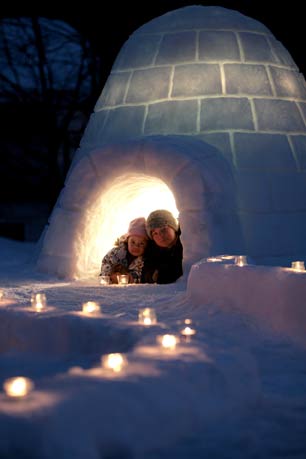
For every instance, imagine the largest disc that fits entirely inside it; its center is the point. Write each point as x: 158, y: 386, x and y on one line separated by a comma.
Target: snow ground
x: 236, y: 390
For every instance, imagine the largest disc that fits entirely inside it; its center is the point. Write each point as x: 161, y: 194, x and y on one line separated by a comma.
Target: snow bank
x: 274, y: 295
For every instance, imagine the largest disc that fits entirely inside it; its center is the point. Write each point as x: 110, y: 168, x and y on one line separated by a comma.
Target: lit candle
x: 168, y: 342
x: 1, y: 294
x: 147, y: 316
x: 188, y: 332
x: 298, y: 265
x: 114, y: 362
x: 91, y: 307
x: 18, y: 387
x: 123, y: 279
x: 38, y: 301
x: 214, y: 259
x: 241, y: 260
x: 105, y: 280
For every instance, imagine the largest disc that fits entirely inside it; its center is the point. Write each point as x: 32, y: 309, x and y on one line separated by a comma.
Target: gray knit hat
x: 160, y: 218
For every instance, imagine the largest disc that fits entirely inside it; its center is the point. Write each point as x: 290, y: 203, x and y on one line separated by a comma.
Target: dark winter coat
x: 167, y: 263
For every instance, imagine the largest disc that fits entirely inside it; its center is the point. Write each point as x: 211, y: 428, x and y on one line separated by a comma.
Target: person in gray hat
x: 164, y: 253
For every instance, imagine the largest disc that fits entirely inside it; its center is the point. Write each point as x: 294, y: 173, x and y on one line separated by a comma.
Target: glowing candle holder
x: 168, y: 342
x: 241, y: 260
x: 214, y: 259
x: 91, y: 307
x: 39, y: 301
x: 188, y: 332
x: 123, y: 279
x: 105, y: 280
x: 115, y: 362
x: 147, y: 316
x: 298, y: 265
x: 228, y: 257
x: 18, y: 387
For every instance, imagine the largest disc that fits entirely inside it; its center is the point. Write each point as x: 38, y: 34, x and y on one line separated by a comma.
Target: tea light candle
x: 18, y: 387
x: 168, y: 342
x: 123, y: 279
x: 91, y: 307
x: 187, y: 332
x: 228, y: 257
x: 38, y: 301
x: 105, y: 280
x: 114, y: 362
x: 241, y: 260
x: 147, y: 316
x: 298, y: 265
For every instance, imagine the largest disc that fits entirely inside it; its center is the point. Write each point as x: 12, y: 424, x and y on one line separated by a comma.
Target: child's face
x: 164, y: 237
x: 137, y: 245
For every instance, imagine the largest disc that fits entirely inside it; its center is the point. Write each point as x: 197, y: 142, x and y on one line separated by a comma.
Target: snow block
x: 275, y: 296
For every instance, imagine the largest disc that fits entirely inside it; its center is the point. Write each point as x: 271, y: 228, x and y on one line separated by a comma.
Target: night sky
x: 108, y: 25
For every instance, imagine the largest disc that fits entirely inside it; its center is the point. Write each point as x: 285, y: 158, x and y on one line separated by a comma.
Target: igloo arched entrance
x: 115, y: 183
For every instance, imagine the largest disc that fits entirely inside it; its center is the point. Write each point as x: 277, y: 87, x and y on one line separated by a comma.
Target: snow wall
x: 207, y: 101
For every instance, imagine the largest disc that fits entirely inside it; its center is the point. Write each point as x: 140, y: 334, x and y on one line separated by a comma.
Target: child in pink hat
x: 127, y: 255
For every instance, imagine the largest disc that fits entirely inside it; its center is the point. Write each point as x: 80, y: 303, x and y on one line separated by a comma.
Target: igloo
x: 203, y: 113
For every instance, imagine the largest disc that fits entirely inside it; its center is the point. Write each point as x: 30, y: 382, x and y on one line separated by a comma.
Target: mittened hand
x: 120, y: 269
x: 113, y: 278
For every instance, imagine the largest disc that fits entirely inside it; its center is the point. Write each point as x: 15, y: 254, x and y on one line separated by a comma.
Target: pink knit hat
x: 137, y: 227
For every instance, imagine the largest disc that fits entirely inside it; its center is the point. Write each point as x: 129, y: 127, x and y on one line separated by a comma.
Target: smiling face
x: 137, y: 245
x: 164, y: 236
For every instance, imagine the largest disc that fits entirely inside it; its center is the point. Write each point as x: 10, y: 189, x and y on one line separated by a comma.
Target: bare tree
x: 49, y: 81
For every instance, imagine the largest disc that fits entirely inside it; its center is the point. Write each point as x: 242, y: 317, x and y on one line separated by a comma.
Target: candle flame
x: 18, y: 386
x: 91, y: 307
x: 187, y: 331
x: 298, y: 265
x: 147, y: 316
x: 169, y: 341
x: 39, y: 301
x: 241, y: 260
x: 115, y: 362
x: 123, y: 279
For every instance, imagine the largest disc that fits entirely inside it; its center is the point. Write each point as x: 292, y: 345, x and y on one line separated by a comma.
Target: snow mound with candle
x: 232, y: 391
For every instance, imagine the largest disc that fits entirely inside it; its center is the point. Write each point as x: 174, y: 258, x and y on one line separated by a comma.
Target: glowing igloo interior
x: 118, y: 182
x: 206, y: 103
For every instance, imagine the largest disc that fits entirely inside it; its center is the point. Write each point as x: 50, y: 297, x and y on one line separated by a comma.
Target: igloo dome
x: 203, y: 113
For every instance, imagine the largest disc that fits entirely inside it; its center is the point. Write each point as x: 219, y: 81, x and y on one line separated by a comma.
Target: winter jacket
x: 118, y: 259
x: 166, y: 263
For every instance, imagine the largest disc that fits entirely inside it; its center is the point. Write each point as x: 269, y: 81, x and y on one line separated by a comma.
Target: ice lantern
x: 18, y: 387
x: 204, y: 103
x: 39, y: 301
x: 147, y: 316
x: 115, y: 362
